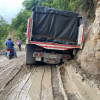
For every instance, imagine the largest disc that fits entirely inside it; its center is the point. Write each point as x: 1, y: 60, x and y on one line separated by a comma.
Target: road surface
x: 43, y: 82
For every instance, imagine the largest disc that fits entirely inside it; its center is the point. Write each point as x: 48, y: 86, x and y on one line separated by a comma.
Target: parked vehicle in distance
x: 53, y: 36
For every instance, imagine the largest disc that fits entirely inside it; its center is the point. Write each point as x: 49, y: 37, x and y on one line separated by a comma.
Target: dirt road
x: 43, y: 82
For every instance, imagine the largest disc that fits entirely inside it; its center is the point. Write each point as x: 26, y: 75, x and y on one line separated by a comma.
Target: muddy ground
x: 44, y: 82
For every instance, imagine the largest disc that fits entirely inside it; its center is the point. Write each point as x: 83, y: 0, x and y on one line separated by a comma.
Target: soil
x: 43, y: 81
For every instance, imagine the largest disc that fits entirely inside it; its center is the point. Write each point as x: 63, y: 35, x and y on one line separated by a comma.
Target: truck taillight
x: 63, y: 57
x: 36, y: 54
x: 41, y: 55
x: 67, y: 57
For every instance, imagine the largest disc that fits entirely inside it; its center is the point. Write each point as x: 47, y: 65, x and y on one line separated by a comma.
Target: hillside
x: 89, y: 57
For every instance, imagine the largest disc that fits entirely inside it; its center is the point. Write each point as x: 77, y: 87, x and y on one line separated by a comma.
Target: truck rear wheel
x: 30, y: 60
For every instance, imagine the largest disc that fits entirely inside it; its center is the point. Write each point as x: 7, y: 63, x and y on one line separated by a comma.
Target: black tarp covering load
x: 57, y: 26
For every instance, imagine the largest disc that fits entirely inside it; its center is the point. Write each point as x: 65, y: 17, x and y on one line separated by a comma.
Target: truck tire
x: 71, y: 53
x: 74, y: 52
x: 30, y: 60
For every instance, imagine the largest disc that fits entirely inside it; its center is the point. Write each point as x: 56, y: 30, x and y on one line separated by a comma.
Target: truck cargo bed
x: 56, y: 26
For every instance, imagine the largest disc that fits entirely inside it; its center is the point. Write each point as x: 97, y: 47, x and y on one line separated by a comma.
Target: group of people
x: 10, y: 45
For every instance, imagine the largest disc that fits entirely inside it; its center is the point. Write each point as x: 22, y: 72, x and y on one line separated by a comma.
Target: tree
x: 3, y: 31
x: 29, y: 4
x: 19, y: 23
x: 89, y: 7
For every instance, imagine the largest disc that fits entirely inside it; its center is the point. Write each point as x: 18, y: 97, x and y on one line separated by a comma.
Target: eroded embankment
x: 89, y: 57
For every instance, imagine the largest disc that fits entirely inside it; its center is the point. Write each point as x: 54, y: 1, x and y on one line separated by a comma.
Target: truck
x: 53, y: 36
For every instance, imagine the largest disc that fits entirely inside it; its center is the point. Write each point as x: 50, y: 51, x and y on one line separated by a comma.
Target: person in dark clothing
x: 10, y: 45
x: 19, y: 44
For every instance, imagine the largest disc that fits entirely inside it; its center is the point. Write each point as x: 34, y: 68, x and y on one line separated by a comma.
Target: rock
x: 89, y: 57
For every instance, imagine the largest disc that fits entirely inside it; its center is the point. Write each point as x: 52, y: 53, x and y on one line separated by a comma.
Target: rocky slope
x: 89, y: 57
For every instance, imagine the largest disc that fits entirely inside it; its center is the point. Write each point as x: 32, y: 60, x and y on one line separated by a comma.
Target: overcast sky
x: 10, y: 8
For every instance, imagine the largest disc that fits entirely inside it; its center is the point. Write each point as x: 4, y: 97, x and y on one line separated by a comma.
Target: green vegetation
x: 89, y: 7
x: 58, y: 4
x: 71, y: 5
x: 3, y: 31
x: 19, y: 23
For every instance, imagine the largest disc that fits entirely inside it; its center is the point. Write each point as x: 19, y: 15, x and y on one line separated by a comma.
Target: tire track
x: 5, y: 63
x: 26, y: 86
x: 8, y: 74
x: 38, y: 82
x: 69, y: 86
x: 14, y: 92
x: 57, y: 93
x: 11, y: 82
x: 8, y: 67
x: 20, y: 89
x: 46, y: 86
x: 41, y: 89
x: 61, y: 84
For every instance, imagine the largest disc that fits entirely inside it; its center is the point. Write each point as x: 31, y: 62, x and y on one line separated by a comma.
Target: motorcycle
x: 10, y: 53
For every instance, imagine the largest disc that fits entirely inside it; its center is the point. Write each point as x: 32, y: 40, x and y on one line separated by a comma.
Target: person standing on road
x: 10, y: 45
x: 19, y: 44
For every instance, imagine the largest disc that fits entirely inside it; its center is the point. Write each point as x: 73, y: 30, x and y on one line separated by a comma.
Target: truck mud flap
x: 29, y: 54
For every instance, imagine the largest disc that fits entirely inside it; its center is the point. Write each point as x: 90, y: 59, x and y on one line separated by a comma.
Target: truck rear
x: 53, y: 36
